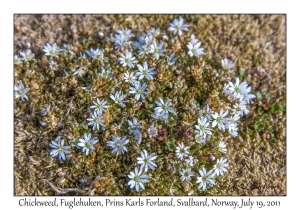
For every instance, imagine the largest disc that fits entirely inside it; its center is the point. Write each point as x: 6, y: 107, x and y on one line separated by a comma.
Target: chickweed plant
x: 144, y: 111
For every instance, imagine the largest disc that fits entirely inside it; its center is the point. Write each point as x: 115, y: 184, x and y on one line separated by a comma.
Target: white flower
x: 240, y: 109
x: 205, y: 179
x: 108, y: 74
x: 164, y: 107
x: 20, y: 91
x: 145, y: 45
x: 118, y: 144
x: 149, y: 40
x: 99, y: 105
x: 226, y: 89
x: 157, y: 49
x: 121, y: 42
x: 27, y: 56
x: 82, y: 55
x: 138, y: 90
x: 126, y: 33
x: 142, y: 45
x: 68, y: 49
x: 147, y: 160
x: 153, y: 32
x: 87, y: 143
x: 190, y: 160
x: 130, y: 77
x: 137, y: 179
x: 222, y: 147
x: 227, y: 64
x: 194, y: 40
x: 246, y: 96
x: 111, y: 37
x: 165, y: 37
x: 127, y: 60
x: 231, y: 122
x: 194, y: 49
x: 206, y: 113
x: 96, y: 120
x: 51, y: 50
x: 186, y: 174
x: 237, y: 89
x: 138, y: 138
x: 80, y: 71
x: 45, y: 110
x: 53, y: 65
x: 59, y: 149
x: 141, y: 41
x: 177, y: 26
x: 219, y: 119
x: 134, y: 126
x: 220, y: 167
x: 152, y: 131
x: 97, y: 54
x: 143, y: 50
x: 118, y: 98
x: 172, y: 59
x: 17, y: 60
x: 203, y: 127
x: 233, y: 131
x: 200, y: 139
x: 181, y: 151
x: 144, y: 71
x: 160, y: 116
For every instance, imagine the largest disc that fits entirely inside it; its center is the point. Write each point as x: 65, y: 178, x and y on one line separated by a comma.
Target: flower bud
x: 165, y: 37
x: 27, y: 45
x: 100, y: 34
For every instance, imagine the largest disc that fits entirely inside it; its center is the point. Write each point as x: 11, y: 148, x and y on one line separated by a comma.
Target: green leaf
x: 260, y: 110
x: 170, y: 85
x: 242, y: 71
x: 282, y: 107
x: 269, y: 100
x: 84, y: 126
x: 255, y: 60
x: 189, y: 16
x: 85, y: 44
x: 36, y: 26
x: 171, y: 145
x: 269, y: 123
x: 171, y: 122
x: 274, y: 108
x: 246, y: 42
x: 259, y: 126
x: 259, y: 95
x: 262, y: 119
x: 249, y: 131
x: 272, y: 141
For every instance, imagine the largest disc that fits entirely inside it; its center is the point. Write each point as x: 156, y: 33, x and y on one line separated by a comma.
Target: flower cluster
x: 137, y: 179
x: 139, y: 101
